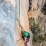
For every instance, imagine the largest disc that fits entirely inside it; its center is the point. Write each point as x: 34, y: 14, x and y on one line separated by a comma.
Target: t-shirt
x: 25, y: 43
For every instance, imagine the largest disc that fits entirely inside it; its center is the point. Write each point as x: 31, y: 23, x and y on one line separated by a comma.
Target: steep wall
x: 36, y: 8
x: 22, y: 9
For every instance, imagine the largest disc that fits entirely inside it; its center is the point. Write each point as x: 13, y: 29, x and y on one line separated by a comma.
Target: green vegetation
x: 37, y: 36
x: 31, y: 20
x: 44, y: 9
x: 37, y: 6
x: 45, y: 36
x: 36, y: 27
x: 34, y: 9
x: 36, y: 33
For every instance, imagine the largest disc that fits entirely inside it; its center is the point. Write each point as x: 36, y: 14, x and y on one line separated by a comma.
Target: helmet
x: 25, y: 34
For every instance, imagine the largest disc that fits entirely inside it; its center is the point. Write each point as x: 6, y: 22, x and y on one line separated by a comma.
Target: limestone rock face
x: 22, y: 9
x: 7, y: 23
x: 10, y: 31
